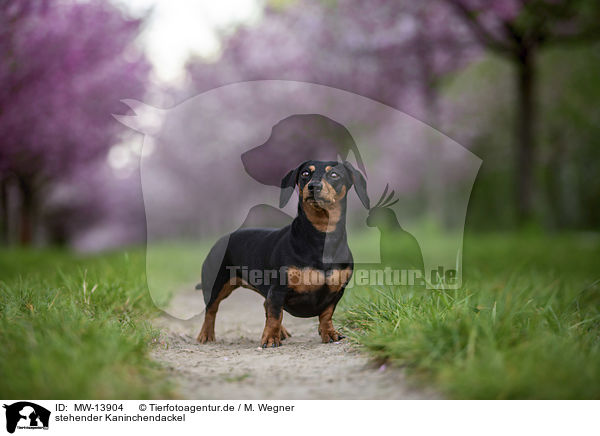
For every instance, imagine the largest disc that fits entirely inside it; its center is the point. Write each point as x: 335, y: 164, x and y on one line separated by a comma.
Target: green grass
x: 525, y: 324
x: 75, y: 327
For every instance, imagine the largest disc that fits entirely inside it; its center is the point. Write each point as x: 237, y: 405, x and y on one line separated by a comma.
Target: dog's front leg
x: 326, y: 330
x: 271, y: 336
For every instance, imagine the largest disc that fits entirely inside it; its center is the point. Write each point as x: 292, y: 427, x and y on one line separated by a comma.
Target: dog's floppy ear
x: 360, y: 184
x: 288, y: 184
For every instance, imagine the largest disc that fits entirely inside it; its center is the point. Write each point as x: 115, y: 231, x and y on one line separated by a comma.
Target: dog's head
x: 323, y: 185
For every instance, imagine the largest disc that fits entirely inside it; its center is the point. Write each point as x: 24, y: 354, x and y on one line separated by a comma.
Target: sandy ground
x: 234, y: 367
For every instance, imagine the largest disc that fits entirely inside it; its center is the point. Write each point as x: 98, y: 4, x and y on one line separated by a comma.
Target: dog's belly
x: 311, y: 291
x: 309, y: 304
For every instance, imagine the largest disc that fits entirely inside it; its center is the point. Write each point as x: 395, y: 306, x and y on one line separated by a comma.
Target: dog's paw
x: 270, y: 341
x: 330, y: 335
x: 205, y: 337
x: 284, y: 333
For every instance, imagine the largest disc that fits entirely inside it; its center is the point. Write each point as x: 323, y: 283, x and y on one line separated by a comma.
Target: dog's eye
x: 305, y: 173
x: 334, y: 175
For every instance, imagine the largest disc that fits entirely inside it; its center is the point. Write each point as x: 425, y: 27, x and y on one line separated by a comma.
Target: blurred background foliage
x: 516, y: 82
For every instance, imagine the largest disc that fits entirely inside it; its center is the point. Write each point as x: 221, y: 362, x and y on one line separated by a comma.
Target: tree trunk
x: 4, y: 210
x: 431, y: 115
x: 26, y: 213
x: 525, y: 135
x: 558, y: 215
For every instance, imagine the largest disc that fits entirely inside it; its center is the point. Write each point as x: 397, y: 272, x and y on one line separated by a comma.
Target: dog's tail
x: 199, y: 286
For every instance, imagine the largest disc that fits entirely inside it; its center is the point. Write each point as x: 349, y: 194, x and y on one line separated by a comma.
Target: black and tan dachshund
x: 302, y: 268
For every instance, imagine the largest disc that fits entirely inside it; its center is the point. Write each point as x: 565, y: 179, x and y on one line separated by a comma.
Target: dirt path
x: 234, y: 367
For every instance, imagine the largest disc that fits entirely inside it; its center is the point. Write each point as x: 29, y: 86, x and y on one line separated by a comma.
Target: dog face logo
x: 26, y: 415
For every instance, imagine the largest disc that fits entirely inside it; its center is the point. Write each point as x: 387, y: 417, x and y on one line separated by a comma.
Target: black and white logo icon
x: 26, y: 415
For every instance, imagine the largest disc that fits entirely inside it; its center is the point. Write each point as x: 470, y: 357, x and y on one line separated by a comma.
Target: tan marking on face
x: 303, y: 191
x: 328, y: 192
x: 311, y: 167
x: 327, y: 168
x: 326, y: 212
x: 305, y: 279
x: 338, y: 278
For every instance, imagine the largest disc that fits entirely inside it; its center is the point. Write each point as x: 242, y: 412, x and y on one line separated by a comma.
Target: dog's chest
x: 309, y: 280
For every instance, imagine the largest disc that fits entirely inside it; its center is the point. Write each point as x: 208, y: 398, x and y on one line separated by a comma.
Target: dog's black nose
x: 315, y: 186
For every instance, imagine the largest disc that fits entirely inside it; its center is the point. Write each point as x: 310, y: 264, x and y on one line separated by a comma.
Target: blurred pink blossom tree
x: 391, y: 51
x: 65, y: 66
x: 518, y: 30
x: 394, y: 52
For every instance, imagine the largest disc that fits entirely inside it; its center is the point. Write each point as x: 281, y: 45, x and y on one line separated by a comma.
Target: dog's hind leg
x: 207, y: 333
x: 284, y: 333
